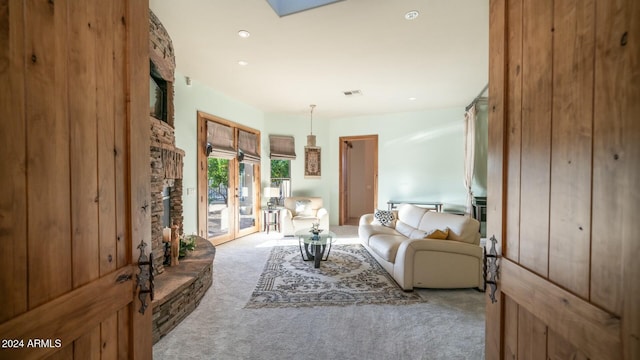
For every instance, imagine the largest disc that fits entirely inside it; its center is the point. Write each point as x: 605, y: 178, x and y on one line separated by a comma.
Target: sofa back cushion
x: 410, y: 214
x: 303, y: 205
x: 461, y: 228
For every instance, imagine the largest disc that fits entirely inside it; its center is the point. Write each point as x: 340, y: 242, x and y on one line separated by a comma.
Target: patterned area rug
x: 351, y: 276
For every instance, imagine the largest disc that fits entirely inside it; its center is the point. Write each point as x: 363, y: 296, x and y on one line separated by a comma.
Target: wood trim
x: 594, y: 331
x: 81, y: 308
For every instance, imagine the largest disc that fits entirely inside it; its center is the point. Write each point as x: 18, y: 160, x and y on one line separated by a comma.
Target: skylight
x: 287, y: 7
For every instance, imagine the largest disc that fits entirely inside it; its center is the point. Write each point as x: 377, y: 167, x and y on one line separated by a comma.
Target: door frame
x: 344, y: 175
x: 234, y: 232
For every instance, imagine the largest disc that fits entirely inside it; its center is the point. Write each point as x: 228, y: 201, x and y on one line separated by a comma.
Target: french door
x: 229, y: 180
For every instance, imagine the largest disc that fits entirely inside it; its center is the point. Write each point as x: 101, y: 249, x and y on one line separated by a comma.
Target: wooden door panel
x: 48, y: 165
x: 13, y: 185
x: 494, y: 328
x: 563, y: 161
x: 510, y: 342
x: 83, y: 145
x: 71, y: 315
x: 570, y: 208
x: 583, y: 324
x: 514, y: 127
x: 532, y: 336
x: 616, y: 131
x: 75, y: 186
x: 536, y: 130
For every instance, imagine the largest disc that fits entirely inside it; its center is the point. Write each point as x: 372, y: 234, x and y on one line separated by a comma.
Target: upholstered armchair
x: 300, y: 212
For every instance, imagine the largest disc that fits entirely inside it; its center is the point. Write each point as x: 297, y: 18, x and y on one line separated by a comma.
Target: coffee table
x: 314, y: 246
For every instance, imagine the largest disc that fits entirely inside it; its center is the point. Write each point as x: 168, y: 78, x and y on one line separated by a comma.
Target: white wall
x: 188, y: 101
x: 420, y: 154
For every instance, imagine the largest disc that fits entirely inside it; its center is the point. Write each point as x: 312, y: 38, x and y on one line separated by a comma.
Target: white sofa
x: 406, y: 252
x: 300, y: 212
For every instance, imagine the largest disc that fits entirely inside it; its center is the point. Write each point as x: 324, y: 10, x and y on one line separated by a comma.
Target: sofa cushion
x: 385, y: 217
x: 365, y: 232
x: 386, y: 245
x: 403, y: 228
x: 411, y: 214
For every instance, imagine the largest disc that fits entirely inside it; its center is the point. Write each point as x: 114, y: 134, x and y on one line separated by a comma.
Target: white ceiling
x: 311, y: 57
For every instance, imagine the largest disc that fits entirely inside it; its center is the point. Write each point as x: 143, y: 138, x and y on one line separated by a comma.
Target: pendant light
x: 311, y: 139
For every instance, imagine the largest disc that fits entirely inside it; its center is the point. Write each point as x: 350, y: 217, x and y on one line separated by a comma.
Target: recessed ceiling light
x: 243, y: 63
x: 412, y: 98
x: 411, y: 15
x: 244, y: 34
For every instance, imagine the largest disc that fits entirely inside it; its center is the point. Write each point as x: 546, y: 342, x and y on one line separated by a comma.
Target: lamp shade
x: 272, y: 192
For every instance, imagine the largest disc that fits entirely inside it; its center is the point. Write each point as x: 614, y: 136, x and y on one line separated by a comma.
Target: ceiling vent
x: 349, y: 93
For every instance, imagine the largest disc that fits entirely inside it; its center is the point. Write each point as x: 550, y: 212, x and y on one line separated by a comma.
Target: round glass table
x: 313, y: 246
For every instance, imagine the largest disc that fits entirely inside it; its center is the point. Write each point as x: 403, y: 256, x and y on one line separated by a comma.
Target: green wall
x: 188, y: 100
x: 420, y: 154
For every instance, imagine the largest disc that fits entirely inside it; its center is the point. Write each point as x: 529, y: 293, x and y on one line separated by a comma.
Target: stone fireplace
x: 166, y: 159
x: 178, y: 289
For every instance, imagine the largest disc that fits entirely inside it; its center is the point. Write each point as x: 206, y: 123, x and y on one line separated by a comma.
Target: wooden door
x: 564, y: 176
x: 74, y: 185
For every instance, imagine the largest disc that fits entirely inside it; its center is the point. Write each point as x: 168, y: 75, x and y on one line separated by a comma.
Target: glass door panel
x: 219, y: 215
x: 247, y: 213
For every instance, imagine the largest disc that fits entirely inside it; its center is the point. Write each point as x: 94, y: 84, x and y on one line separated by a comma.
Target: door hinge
x: 145, y: 277
x: 492, y: 269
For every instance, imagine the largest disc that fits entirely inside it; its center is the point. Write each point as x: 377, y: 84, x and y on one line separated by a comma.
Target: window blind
x: 248, y: 146
x: 221, y: 139
x: 282, y: 147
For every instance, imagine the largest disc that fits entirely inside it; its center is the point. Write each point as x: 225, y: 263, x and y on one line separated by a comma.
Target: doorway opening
x: 358, y: 177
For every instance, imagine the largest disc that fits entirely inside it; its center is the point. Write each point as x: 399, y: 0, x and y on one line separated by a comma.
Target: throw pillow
x: 303, y: 208
x: 384, y: 217
x: 438, y: 234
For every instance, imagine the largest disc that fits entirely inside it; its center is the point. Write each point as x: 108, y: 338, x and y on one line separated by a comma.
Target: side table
x: 270, y: 217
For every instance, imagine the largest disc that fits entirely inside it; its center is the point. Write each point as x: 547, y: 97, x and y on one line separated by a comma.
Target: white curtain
x: 469, y: 154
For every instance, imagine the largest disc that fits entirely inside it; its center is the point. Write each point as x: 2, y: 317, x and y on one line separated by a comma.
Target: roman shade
x: 220, y: 138
x: 282, y: 147
x: 248, y: 147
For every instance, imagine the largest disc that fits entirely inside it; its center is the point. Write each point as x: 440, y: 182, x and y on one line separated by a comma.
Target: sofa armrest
x: 286, y: 214
x: 403, y: 267
x: 286, y: 222
x: 366, y: 219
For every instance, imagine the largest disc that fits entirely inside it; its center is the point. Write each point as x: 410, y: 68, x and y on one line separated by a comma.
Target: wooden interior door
x: 74, y: 189
x: 563, y: 198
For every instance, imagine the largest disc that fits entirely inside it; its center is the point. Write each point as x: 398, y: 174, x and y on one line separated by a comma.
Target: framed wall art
x: 312, y: 162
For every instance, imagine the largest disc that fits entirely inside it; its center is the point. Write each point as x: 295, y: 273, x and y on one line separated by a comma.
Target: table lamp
x: 272, y: 193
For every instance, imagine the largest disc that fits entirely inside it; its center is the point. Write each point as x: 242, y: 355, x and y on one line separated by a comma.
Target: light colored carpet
x: 450, y: 325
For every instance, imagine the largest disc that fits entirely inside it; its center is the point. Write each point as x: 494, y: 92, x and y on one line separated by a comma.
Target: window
x: 282, y: 152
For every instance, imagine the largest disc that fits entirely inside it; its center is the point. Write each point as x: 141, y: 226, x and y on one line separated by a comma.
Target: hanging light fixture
x: 311, y: 139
